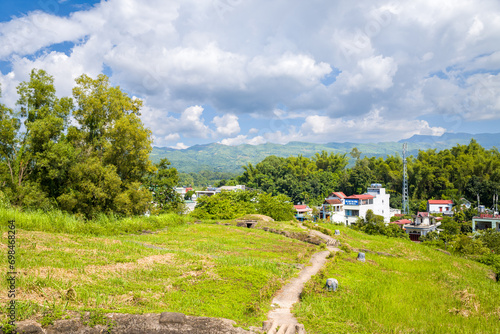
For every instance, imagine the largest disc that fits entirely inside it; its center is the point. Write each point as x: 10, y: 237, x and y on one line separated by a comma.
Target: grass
x: 67, y: 267
x: 419, y: 290
x: 105, y: 225
x: 197, y: 269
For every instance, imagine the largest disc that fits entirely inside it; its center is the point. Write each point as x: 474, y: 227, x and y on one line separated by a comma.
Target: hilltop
x: 223, y: 158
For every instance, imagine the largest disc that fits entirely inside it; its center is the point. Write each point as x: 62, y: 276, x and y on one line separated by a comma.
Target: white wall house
x: 333, y: 208
x: 423, y: 223
x: 356, y: 206
x: 440, y: 206
x: 375, y: 199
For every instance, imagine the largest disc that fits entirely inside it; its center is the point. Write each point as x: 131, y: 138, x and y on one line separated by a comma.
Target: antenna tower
x: 406, y: 205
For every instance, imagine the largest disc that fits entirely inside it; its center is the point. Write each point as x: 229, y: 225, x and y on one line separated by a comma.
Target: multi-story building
x: 374, y: 199
x: 333, y: 208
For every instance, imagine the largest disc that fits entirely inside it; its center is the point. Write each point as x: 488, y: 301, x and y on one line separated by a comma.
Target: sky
x: 254, y: 71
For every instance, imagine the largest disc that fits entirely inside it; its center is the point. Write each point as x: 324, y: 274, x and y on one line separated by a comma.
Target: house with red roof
x: 422, y: 224
x: 340, y: 208
x: 486, y: 221
x: 333, y: 208
x: 440, y: 206
x: 374, y: 199
x: 401, y: 223
x: 303, y: 212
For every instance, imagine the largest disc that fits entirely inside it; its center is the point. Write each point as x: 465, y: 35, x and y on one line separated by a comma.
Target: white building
x: 440, y: 206
x: 423, y: 224
x: 380, y: 201
x: 375, y: 199
x: 333, y: 208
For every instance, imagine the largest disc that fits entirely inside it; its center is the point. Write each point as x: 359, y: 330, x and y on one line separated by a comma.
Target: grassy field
x: 197, y: 269
x: 66, y: 266
x: 419, y: 290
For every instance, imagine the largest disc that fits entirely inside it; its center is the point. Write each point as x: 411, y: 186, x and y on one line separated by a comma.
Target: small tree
x: 278, y: 207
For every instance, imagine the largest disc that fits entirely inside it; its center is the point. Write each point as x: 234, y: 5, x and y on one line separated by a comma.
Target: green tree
x: 36, y: 154
x: 225, y: 205
x: 278, y: 207
x: 163, y: 182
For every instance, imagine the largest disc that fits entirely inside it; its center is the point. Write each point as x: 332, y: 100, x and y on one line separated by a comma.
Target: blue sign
x: 351, y: 201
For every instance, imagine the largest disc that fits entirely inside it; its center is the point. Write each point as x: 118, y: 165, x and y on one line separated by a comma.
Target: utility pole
x: 406, y: 205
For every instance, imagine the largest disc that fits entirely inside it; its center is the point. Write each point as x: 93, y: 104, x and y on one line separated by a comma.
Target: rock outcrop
x: 164, y: 323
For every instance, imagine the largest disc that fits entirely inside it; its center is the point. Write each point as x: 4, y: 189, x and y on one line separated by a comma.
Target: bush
x: 233, y: 204
x: 278, y: 207
x: 465, y: 245
x: 492, y: 260
x: 491, y: 239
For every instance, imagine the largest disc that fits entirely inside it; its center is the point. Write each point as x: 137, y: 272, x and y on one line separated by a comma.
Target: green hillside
x: 215, y: 270
x: 222, y: 158
x: 403, y: 287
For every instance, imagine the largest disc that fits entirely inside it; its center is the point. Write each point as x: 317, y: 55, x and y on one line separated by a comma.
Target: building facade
x: 440, y: 206
x: 485, y: 221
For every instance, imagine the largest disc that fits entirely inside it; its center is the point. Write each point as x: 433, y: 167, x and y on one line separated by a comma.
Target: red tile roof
x: 423, y: 214
x: 332, y: 201
x: 364, y: 196
x: 300, y: 207
x: 402, y: 222
x: 440, y: 201
x: 340, y: 194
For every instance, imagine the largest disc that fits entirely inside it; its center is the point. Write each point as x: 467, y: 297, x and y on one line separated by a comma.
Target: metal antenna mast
x: 406, y: 205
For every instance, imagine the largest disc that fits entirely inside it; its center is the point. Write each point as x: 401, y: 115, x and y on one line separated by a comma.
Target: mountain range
x: 223, y: 158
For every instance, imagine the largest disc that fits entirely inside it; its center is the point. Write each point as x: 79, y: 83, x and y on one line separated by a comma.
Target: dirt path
x: 281, y: 320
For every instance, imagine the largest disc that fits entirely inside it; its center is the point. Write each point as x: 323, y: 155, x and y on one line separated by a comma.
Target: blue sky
x: 254, y: 71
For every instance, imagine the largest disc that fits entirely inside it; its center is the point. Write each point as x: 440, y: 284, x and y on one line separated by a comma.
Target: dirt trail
x: 281, y: 320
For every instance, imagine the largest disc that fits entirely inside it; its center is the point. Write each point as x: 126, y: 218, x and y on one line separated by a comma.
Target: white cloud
x: 28, y: 34
x: 371, y: 127
x: 243, y: 139
x: 179, y: 146
x: 372, y: 73
x: 227, y: 125
x: 299, y: 67
x: 333, y: 62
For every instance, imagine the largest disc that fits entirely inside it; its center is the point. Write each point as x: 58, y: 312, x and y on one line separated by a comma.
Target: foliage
x: 278, y: 207
x: 204, y: 178
x: 374, y: 224
x: 225, y: 205
x: 163, y: 183
x: 491, y: 239
x: 466, y: 245
x: 95, y: 166
x: 233, y: 204
x: 306, y: 180
x: 492, y: 260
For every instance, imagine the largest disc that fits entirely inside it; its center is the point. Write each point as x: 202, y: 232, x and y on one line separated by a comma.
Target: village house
x: 212, y: 190
x: 485, y: 221
x: 440, y: 206
x: 401, y: 223
x: 303, y: 212
x: 333, y: 208
x: 374, y: 199
x: 423, y: 223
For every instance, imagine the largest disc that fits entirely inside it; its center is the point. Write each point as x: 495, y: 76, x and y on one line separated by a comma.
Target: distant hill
x: 222, y: 158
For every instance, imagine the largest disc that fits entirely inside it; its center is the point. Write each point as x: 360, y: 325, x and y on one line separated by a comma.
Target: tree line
x: 86, y: 154
x: 464, y: 171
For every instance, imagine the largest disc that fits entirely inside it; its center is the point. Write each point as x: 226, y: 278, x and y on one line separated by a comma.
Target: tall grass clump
x: 56, y: 221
